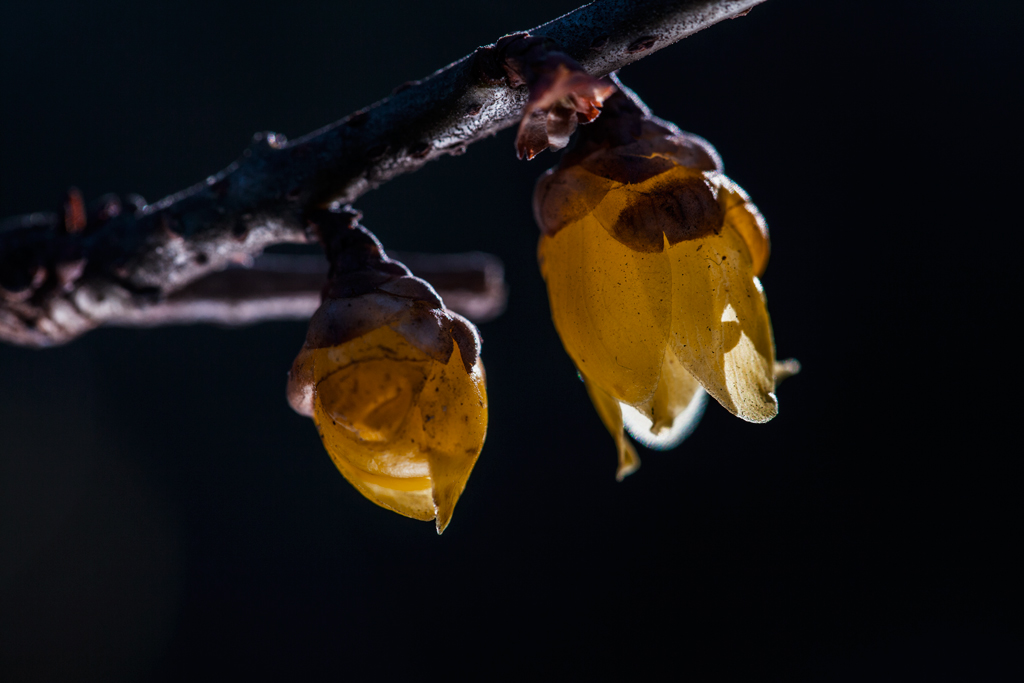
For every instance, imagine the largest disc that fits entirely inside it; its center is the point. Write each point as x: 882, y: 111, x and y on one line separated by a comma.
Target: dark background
x: 163, y: 513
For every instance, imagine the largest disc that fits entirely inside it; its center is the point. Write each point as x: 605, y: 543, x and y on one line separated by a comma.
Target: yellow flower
x: 651, y: 257
x: 395, y: 385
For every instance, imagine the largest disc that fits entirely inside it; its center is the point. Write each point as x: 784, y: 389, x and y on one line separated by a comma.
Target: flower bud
x: 395, y: 385
x: 651, y: 257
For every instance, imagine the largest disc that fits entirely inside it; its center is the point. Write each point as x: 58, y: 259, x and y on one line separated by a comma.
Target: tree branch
x: 62, y: 274
x: 288, y: 287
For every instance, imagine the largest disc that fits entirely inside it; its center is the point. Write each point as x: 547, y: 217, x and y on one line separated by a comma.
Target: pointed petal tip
x: 629, y: 461
x: 759, y: 412
x: 444, y: 508
x: 443, y: 518
x: 624, y: 472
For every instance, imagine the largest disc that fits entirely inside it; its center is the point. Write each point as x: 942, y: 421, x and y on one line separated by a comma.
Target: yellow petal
x: 673, y: 412
x: 611, y: 306
x: 397, y: 495
x: 402, y: 427
x: 453, y: 406
x: 745, y: 218
x: 610, y: 412
x: 720, y: 328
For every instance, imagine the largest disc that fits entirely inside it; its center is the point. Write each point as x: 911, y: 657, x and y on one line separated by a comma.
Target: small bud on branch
x: 391, y: 377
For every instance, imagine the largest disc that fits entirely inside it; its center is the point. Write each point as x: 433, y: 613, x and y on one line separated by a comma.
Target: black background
x: 164, y: 514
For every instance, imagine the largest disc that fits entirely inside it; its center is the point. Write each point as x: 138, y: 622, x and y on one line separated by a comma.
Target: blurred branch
x: 287, y: 287
x: 65, y: 273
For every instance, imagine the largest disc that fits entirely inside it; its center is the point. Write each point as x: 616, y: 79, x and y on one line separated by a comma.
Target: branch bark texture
x: 63, y: 274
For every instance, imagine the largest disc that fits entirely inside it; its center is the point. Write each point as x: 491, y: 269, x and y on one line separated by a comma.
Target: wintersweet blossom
x: 395, y: 385
x: 651, y: 257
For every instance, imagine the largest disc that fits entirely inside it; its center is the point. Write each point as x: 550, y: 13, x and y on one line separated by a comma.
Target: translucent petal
x: 610, y: 412
x: 720, y: 328
x: 372, y: 398
x: 453, y: 406
x: 611, y: 306
x: 674, y: 410
x: 403, y: 428
x: 744, y: 217
x: 409, y: 497
x: 564, y: 196
x: 365, y: 392
x: 677, y: 203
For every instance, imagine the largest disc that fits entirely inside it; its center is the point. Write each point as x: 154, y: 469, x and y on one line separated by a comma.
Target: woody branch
x: 124, y: 263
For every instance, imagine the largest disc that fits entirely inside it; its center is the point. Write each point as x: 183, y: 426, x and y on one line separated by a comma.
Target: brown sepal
x: 690, y: 211
x: 627, y: 146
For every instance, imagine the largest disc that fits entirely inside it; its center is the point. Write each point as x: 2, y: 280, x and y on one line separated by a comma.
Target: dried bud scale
x: 562, y: 93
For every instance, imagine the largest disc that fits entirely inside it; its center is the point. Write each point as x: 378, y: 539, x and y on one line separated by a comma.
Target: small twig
x: 288, y: 287
x: 61, y: 275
